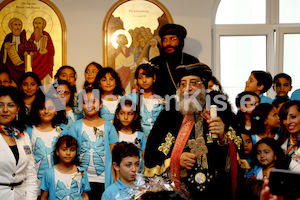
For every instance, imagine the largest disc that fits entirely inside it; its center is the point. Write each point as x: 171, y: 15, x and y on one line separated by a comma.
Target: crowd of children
x: 92, y: 143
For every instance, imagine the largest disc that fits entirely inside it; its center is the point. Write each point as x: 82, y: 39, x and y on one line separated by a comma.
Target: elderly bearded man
x: 15, y: 64
x: 180, y: 142
x: 43, y: 61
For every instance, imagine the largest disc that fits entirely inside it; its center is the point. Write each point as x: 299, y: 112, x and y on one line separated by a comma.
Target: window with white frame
x: 256, y: 35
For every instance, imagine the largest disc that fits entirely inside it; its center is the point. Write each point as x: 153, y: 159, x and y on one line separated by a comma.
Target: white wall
x: 84, y: 20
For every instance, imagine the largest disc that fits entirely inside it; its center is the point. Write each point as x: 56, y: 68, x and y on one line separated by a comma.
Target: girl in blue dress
x: 265, y: 156
x: 264, y: 122
x: 109, y: 84
x: 65, y: 93
x: 96, y: 138
x: 68, y: 73
x: 127, y: 123
x: 90, y: 74
x: 149, y: 103
x: 47, y: 126
x: 65, y: 180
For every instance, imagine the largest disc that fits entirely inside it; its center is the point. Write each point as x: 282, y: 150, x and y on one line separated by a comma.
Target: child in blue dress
x: 65, y: 180
x: 264, y: 122
x: 96, y: 138
x: 150, y: 104
x: 127, y: 123
x: 90, y: 74
x: 109, y: 84
x: 126, y: 163
x: 66, y: 94
x: 265, y: 156
x: 68, y: 73
x: 47, y: 126
x: 247, y: 143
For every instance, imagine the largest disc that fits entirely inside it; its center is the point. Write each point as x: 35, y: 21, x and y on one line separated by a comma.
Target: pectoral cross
x: 199, y: 148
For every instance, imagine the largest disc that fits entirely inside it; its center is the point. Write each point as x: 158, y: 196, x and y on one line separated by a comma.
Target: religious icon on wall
x: 130, y: 35
x: 32, y: 38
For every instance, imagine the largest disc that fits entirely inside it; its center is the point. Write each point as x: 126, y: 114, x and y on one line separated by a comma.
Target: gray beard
x: 193, y: 105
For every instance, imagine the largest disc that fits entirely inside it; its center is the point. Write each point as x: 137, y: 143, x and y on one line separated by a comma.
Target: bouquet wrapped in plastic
x: 144, y: 184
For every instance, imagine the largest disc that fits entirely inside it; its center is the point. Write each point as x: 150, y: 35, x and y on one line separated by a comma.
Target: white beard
x: 194, y: 104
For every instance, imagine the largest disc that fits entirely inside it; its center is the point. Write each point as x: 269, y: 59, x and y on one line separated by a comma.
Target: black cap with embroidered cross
x: 197, y: 69
x: 173, y: 29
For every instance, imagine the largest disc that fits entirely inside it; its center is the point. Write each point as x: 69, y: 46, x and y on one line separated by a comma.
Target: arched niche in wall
x: 130, y: 35
x: 43, y: 36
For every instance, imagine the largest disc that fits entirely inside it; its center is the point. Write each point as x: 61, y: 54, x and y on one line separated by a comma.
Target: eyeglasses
x: 191, y: 84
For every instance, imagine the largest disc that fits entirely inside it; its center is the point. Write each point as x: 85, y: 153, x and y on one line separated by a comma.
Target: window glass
x: 289, y: 11
x: 291, y: 58
x: 241, y: 12
x: 239, y: 55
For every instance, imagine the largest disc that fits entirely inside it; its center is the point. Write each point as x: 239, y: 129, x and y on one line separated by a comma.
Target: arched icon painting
x: 130, y: 35
x: 32, y: 38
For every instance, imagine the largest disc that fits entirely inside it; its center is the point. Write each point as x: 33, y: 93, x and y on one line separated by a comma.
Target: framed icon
x: 130, y: 35
x: 32, y: 38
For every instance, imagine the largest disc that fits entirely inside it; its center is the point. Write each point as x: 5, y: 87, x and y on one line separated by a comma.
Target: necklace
x: 167, y: 64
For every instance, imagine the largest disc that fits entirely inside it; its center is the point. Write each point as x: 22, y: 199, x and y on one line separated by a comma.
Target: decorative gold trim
x: 166, y: 146
x: 231, y: 134
x: 157, y: 170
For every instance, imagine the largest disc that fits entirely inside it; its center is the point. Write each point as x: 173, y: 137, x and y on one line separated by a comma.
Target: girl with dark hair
x: 149, y: 103
x: 109, y: 84
x: 65, y: 93
x: 127, y: 123
x: 48, y: 125
x: 214, y: 84
x: 266, y: 155
x: 291, y: 121
x: 96, y: 138
x: 29, y: 85
x: 245, y: 103
x: 68, y: 73
x: 284, y: 133
x: 65, y: 180
x: 17, y: 171
x: 264, y: 122
x: 90, y: 74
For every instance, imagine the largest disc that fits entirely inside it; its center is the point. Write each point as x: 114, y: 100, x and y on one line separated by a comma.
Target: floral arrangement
x: 144, y: 184
x: 76, y: 111
x: 78, y: 175
x: 215, y: 87
x: 137, y: 143
x: 98, y: 132
x: 58, y: 129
